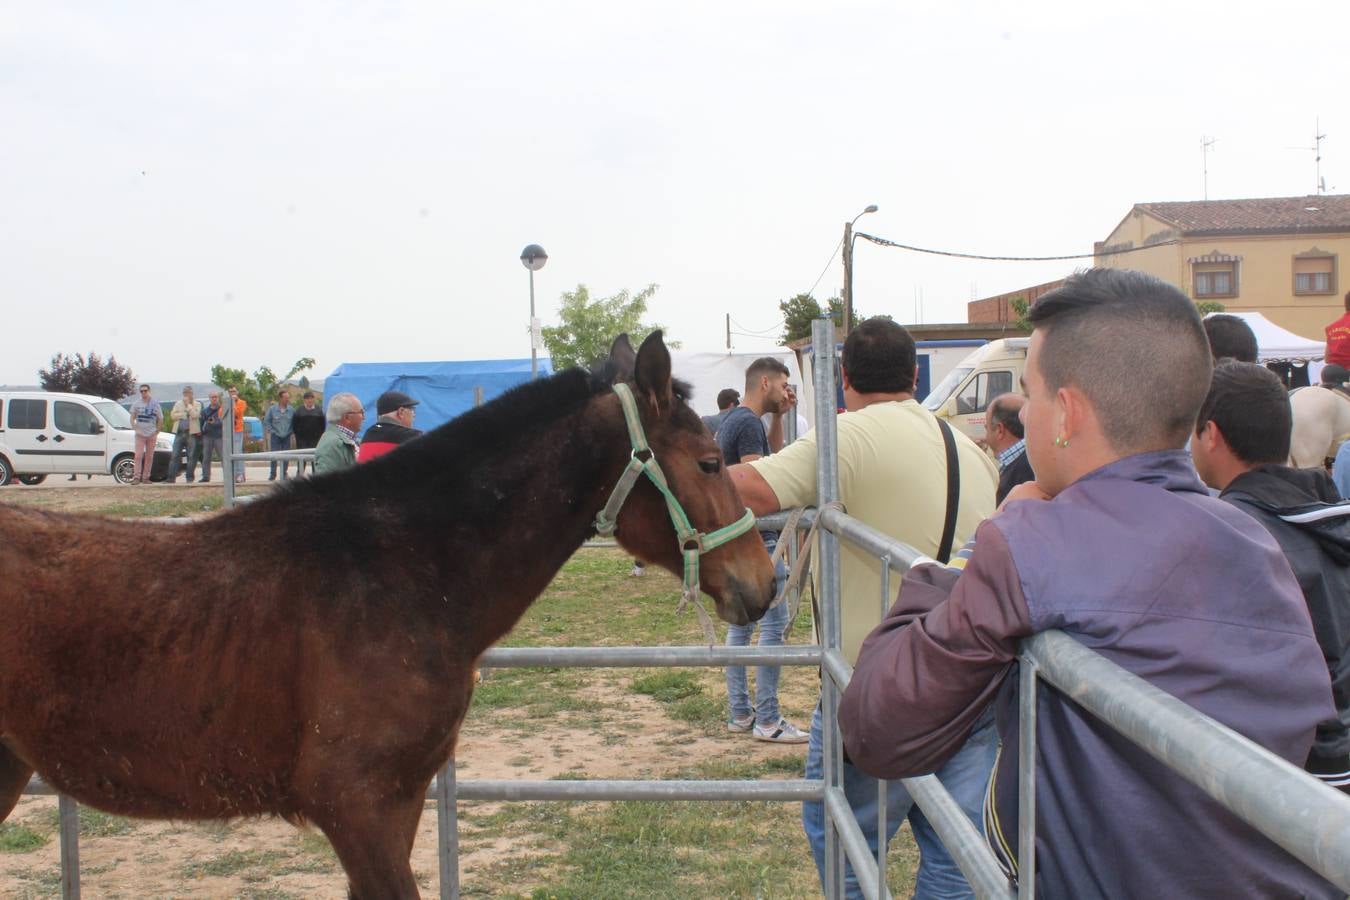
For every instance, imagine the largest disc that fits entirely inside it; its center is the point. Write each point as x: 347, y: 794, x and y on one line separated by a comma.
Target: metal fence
x: 1305, y: 817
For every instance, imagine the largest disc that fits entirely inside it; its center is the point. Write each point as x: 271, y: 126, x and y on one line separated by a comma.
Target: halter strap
x: 693, y: 543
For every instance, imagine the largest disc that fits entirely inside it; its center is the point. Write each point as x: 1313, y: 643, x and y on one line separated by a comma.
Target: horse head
x: 737, y: 573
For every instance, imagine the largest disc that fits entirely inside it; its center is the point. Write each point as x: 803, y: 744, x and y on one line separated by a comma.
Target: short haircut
x: 1133, y: 344
x: 1231, y: 338
x: 286, y: 391
x: 340, y: 405
x: 308, y: 394
x: 728, y: 397
x: 879, y: 357
x: 1005, y: 413
x: 1251, y: 407
x: 144, y: 387
x: 765, y: 365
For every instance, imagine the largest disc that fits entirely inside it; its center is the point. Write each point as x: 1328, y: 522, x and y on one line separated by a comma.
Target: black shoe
x: 203, y: 480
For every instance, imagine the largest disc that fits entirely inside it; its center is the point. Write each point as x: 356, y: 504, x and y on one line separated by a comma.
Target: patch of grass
x: 232, y: 862
x: 669, y: 685
x: 39, y: 881
x: 93, y: 822
x: 177, y: 507
x: 20, y: 839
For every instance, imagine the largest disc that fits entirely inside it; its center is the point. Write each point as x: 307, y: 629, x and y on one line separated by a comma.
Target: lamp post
x: 533, y: 258
x: 848, y: 268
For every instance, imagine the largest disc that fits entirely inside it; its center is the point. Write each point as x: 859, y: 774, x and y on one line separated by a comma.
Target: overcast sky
x: 250, y: 183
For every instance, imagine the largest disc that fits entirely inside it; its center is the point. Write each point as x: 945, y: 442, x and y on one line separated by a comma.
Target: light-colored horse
x: 1321, y: 425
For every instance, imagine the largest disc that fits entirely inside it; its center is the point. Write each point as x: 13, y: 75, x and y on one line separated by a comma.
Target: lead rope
x: 802, y: 567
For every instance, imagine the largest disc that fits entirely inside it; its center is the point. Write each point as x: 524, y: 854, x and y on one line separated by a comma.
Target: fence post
x: 227, y: 449
x: 1026, y: 778
x: 447, y: 823
x: 827, y: 491
x: 69, y: 812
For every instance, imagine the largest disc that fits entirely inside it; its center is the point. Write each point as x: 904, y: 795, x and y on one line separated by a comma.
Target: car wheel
x: 6, y: 473
x: 32, y: 479
x: 124, y: 469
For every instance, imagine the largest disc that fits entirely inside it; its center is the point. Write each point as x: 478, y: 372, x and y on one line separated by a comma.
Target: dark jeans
x: 181, y: 440
x: 277, y: 443
x: 210, y: 447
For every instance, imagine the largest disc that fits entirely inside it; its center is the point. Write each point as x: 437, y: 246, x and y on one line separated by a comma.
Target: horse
x: 310, y: 655
x: 1321, y: 424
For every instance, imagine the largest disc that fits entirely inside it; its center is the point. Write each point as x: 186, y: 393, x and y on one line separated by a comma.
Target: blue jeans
x: 183, y: 440
x: 771, y: 628
x: 965, y: 776
x: 278, y: 443
x: 237, y: 446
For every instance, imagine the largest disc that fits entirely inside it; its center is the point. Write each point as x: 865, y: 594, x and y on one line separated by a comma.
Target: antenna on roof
x: 1316, y: 149
x: 1205, y: 144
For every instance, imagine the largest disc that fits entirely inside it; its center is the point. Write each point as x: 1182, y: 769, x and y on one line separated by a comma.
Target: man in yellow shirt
x: 893, y: 477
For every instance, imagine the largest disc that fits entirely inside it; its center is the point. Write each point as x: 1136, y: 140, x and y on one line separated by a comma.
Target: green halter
x: 693, y: 543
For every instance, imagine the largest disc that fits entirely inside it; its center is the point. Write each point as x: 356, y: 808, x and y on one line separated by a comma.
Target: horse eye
x: 711, y: 466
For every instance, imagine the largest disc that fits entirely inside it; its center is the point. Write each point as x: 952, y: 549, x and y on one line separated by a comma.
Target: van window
x: 117, y: 415
x: 940, y: 394
x: 975, y: 396
x: 74, y: 418
x: 28, y: 414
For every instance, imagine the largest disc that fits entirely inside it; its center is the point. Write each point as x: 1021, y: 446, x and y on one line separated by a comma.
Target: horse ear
x: 652, y: 374
x: 622, y: 359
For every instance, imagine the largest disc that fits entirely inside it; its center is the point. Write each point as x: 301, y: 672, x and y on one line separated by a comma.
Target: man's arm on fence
x: 928, y: 671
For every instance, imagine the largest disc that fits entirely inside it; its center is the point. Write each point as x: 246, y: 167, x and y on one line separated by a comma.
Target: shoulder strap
x: 953, y: 492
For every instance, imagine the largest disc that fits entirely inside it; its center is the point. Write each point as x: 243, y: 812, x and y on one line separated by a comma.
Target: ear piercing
x: 1061, y: 442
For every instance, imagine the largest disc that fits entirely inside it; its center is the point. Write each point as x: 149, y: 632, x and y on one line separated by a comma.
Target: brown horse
x: 310, y: 655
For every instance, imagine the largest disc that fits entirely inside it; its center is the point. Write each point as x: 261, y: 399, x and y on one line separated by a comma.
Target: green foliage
x: 259, y: 389
x: 19, y: 839
x: 799, y: 311
x: 590, y: 326
x: 1209, y: 306
x: 88, y: 375
x: 1020, y: 308
x: 669, y: 685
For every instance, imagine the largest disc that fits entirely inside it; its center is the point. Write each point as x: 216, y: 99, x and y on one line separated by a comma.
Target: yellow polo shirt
x: 892, y: 476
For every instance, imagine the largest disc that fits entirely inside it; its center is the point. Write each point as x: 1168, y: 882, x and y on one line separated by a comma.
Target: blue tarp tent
x: 444, y: 389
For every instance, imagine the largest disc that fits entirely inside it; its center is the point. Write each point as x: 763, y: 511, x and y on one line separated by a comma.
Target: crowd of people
x: 1141, y: 503
x: 334, y: 436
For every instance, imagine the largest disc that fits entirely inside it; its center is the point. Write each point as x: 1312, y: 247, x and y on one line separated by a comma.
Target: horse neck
x: 527, y: 512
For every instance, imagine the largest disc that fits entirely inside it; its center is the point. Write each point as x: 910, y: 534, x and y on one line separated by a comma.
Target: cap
x: 392, y: 400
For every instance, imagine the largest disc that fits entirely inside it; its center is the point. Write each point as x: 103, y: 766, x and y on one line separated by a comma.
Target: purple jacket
x: 1138, y: 563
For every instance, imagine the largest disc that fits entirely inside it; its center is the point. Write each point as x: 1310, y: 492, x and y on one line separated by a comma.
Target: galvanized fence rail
x: 1292, y: 808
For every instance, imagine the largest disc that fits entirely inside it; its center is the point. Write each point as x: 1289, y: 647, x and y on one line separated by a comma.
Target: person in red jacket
x: 394, y: 426
x: 1338, y: 338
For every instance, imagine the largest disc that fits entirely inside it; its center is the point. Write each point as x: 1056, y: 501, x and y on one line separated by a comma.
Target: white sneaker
x: 782, y: 733
x: 638, y: 572
x: 741, y: 726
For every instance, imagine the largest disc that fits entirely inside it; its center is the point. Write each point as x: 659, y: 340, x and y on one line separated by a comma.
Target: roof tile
x: 1316, y: 213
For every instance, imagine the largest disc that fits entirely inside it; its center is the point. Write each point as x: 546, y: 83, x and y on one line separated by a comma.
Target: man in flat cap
x: 393, y: 427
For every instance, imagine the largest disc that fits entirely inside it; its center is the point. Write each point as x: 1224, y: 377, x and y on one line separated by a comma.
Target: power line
x: 886, y: 243
x: 749, y: 330
x: 829, y: 262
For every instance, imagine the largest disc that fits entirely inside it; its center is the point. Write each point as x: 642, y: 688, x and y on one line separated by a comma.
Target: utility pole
x: 728, y: 331
x: 848, y: 268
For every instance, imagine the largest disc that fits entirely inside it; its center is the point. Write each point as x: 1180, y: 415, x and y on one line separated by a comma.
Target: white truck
x: 963, y: 396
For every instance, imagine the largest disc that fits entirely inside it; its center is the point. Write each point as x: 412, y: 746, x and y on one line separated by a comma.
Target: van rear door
x: 29, y: 435
x: 80, y: 434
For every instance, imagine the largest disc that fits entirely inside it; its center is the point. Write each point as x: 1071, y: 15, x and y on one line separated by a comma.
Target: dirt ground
x: 173, y: 859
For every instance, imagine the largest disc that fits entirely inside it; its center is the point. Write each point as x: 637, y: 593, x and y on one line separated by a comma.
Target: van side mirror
x: 95, y: 428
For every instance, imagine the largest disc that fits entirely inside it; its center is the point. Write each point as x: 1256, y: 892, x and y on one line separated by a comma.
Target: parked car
x: 45, y: 433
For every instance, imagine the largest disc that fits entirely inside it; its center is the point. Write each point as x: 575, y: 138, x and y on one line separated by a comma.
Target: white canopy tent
x: 709, y: 372
x: 1276, y: 344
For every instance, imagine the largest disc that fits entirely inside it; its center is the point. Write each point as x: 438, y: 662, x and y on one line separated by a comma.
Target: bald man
x: 1003, y: 433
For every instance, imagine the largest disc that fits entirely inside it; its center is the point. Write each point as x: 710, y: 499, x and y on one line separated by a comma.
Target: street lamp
x: 848, y: 268
x: 533, y: 258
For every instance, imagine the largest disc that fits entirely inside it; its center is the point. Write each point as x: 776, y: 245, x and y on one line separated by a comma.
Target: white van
x: 45, y: 434
x: 963, y: 396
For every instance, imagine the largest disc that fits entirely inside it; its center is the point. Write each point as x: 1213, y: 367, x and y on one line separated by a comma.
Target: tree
x: 590, y: 326
x: 1020, y: 308
x: 798, y: 312
x: 259, y: 389
x: 88, y: 375
x: 1205, y: 307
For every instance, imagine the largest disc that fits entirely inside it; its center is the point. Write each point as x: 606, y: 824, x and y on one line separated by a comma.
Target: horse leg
x: 374, y: 846
x: 14, y: 775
